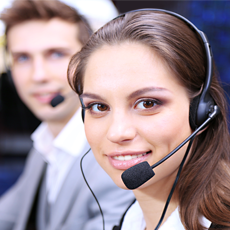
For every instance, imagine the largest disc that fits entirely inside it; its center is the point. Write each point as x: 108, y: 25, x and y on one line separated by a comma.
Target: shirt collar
x: 134, y: 219
x: 42, y: 138
x: 71, y: 139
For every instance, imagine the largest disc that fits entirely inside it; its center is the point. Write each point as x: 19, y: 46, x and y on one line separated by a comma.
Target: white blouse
x: 134, y: 220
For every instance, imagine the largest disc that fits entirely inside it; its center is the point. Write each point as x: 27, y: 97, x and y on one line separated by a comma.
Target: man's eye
x: 56, y: 55
x: 21, y: 58
x: 98, y: 107
x: 146, y: 104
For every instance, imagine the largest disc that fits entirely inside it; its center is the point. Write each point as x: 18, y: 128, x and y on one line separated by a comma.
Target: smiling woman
x: 146, y: 84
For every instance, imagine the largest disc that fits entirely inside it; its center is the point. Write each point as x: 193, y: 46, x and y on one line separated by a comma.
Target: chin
x: 42, y: 116
x: 118, y: 181
x: 121, y: 185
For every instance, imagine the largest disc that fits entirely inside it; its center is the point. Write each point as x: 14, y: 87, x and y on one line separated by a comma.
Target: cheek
x: 59, y: 74
x: 60, y: 67
x: 21, y: 83
x: 173, y: 127
x: 167, y: 130
x: 94, y: 135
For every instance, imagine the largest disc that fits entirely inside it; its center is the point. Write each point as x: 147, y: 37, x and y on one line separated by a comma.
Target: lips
x: 125, y: 161
x: 45, y: 97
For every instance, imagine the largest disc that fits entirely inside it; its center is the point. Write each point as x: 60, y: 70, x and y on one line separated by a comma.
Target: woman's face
x: 137, y: 111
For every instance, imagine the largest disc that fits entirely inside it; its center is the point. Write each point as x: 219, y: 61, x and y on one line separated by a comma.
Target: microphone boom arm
x: 210, y: 117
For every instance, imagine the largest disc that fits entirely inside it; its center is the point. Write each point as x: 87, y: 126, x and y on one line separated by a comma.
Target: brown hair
x: 25, y: 10
x: 204, y: 184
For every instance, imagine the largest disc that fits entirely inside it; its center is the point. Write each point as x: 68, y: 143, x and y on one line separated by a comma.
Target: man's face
x: 41, y: 51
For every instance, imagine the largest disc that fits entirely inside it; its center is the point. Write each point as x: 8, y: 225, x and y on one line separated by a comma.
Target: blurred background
x: 17, y: 122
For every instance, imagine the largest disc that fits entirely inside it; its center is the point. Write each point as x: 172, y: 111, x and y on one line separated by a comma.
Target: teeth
x: 128, y: 157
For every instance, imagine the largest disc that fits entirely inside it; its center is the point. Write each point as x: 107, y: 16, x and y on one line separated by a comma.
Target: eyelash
x: 147, y: 100
x: 90, y: 105
x: 154, y: 101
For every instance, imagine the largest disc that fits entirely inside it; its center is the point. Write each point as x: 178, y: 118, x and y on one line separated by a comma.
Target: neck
x: 152, y: 200
x: 56, y: 126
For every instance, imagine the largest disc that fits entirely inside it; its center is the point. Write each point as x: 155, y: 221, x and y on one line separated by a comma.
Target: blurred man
x: 51, y: 193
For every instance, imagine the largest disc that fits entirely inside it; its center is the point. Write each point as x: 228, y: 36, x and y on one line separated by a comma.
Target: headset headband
x: 209, y: 56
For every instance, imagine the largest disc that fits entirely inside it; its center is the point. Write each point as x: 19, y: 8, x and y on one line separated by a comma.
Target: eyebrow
x: 145, y: 90
x: 16, y: 53
x: 48, y: 50
x: 55, y: 49
x: 91, y: 95
x: 132, y: 95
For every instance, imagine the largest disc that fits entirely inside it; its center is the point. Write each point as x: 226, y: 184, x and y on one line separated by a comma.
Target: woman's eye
x: 146, y: 104
x: 98, y: 107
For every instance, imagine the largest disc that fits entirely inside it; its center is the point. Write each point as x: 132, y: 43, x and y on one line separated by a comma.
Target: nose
x: 39, y: 70
x: 121, y: 129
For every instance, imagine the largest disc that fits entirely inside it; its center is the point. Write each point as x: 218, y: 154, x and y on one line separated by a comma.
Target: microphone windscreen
x: 137, y: 175
x: 57, y: 100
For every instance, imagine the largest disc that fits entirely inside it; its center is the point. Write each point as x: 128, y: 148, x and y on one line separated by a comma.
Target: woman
x: 138, y: 78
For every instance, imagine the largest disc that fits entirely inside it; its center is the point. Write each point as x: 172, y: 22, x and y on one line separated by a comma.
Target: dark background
x: 17, y: 122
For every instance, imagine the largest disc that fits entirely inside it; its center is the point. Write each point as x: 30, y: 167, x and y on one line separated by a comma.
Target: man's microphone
x: 60, y: 98
x: 137, y: 175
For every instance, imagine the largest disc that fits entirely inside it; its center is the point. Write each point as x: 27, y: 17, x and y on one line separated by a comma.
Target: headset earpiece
x: 83, y: 114
x: 193, y: 112
x: 83, y: 110
x: 200, y: 107
x: 205, y: 106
